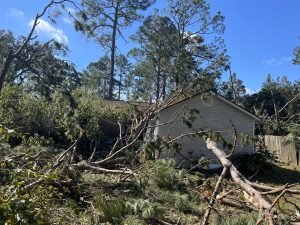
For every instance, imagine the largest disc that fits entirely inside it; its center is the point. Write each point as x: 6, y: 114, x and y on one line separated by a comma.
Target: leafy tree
x: 277, y: 103
x: 96, y: 76
x: 174, y: 54
x: 104, y: 20
x: 233, y: 89
x: 197, y: 61
x: 156, y: 50
x: 39, y: 68
x: 296, y: 59
x: 123, y: 70
x: 19, y: 50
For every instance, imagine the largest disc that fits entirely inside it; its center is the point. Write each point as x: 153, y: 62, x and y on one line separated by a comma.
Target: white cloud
x: 13, y: 12
x: 249, y: 91
x: 277, y: 62
x: 269, y: 61
x: 49, y: 30
x: 67, y: 20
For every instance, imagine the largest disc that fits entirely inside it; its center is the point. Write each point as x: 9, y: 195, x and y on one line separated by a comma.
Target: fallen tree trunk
x: 264, y: 206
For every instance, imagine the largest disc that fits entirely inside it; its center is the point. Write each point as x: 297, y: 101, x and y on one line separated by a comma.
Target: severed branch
x: 214, y: 195
x: 94, y: 151
x: 290, y: 101
x: 118, y: 139
x: 234, y: 141
x: 57, y: 163
x: 264, y: 206
x: 273, y: 190
x: 87, y: 166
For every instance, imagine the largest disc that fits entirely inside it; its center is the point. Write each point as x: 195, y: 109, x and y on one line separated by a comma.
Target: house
x: 215, y: 113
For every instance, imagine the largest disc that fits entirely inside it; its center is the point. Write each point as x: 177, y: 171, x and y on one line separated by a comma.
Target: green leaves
x: 189, y: 116
x: 24, y: 207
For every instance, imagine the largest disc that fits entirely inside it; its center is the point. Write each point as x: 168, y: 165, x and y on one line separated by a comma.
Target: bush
x: 40, y: 121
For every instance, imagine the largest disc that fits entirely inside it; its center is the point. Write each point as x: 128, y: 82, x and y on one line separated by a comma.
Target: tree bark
x: 113, y: 51
x: 214, y: 195
x: 264, y: 206
x: 5, y: 69
x: 158, y: 83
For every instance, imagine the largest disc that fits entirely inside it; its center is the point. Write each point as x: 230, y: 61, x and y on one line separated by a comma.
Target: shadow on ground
x: 280, y: 175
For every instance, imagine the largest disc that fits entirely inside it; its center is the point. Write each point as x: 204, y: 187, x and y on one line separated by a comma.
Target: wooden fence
x: 285, y: 152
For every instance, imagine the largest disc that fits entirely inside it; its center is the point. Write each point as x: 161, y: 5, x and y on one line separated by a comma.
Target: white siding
x: 214, y: 115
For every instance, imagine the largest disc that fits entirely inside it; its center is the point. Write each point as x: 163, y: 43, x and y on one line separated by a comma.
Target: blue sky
x: 260, y: 35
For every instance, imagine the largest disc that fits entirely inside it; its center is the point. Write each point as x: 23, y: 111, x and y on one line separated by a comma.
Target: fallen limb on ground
x: 266, y: 208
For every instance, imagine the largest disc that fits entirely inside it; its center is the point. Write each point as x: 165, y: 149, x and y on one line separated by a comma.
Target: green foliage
x: 189, y: 116
x: 242, y: 219
x: 134, y: 220
x: 38, y: 66
x: 93, y: 114
x: 18, y: 206
x: 111, y: 210
x: 233, y: 89
x: 145, y: 209
x: 276, y: 106
x: 31, y: 116
x: 182, y: 202
x: 293, y: 136
x: 43, y: 122
x: 95, y: 77
x: 163, y: 174
x: 296, y: 59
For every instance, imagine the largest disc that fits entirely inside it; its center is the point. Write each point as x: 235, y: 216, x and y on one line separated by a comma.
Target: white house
x: 215, y: 113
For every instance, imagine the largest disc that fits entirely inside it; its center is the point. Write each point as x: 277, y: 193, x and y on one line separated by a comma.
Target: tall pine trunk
x: 158, y: 84
x: 112, y: 55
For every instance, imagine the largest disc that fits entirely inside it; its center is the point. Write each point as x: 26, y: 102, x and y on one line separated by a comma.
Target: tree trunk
x: 113, y: 51
x: 164, y: 84
x: 120, y: 84
x: 5, y: 69
x: 158, y: 76
x: 264, y: 206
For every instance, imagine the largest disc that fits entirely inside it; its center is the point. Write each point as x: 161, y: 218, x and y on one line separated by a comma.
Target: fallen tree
x: 259, y: 201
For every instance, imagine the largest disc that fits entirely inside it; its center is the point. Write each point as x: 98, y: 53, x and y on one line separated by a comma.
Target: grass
x: 280, y: 174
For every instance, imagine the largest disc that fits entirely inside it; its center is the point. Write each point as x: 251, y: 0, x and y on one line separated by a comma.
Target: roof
x: 238, y: 107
